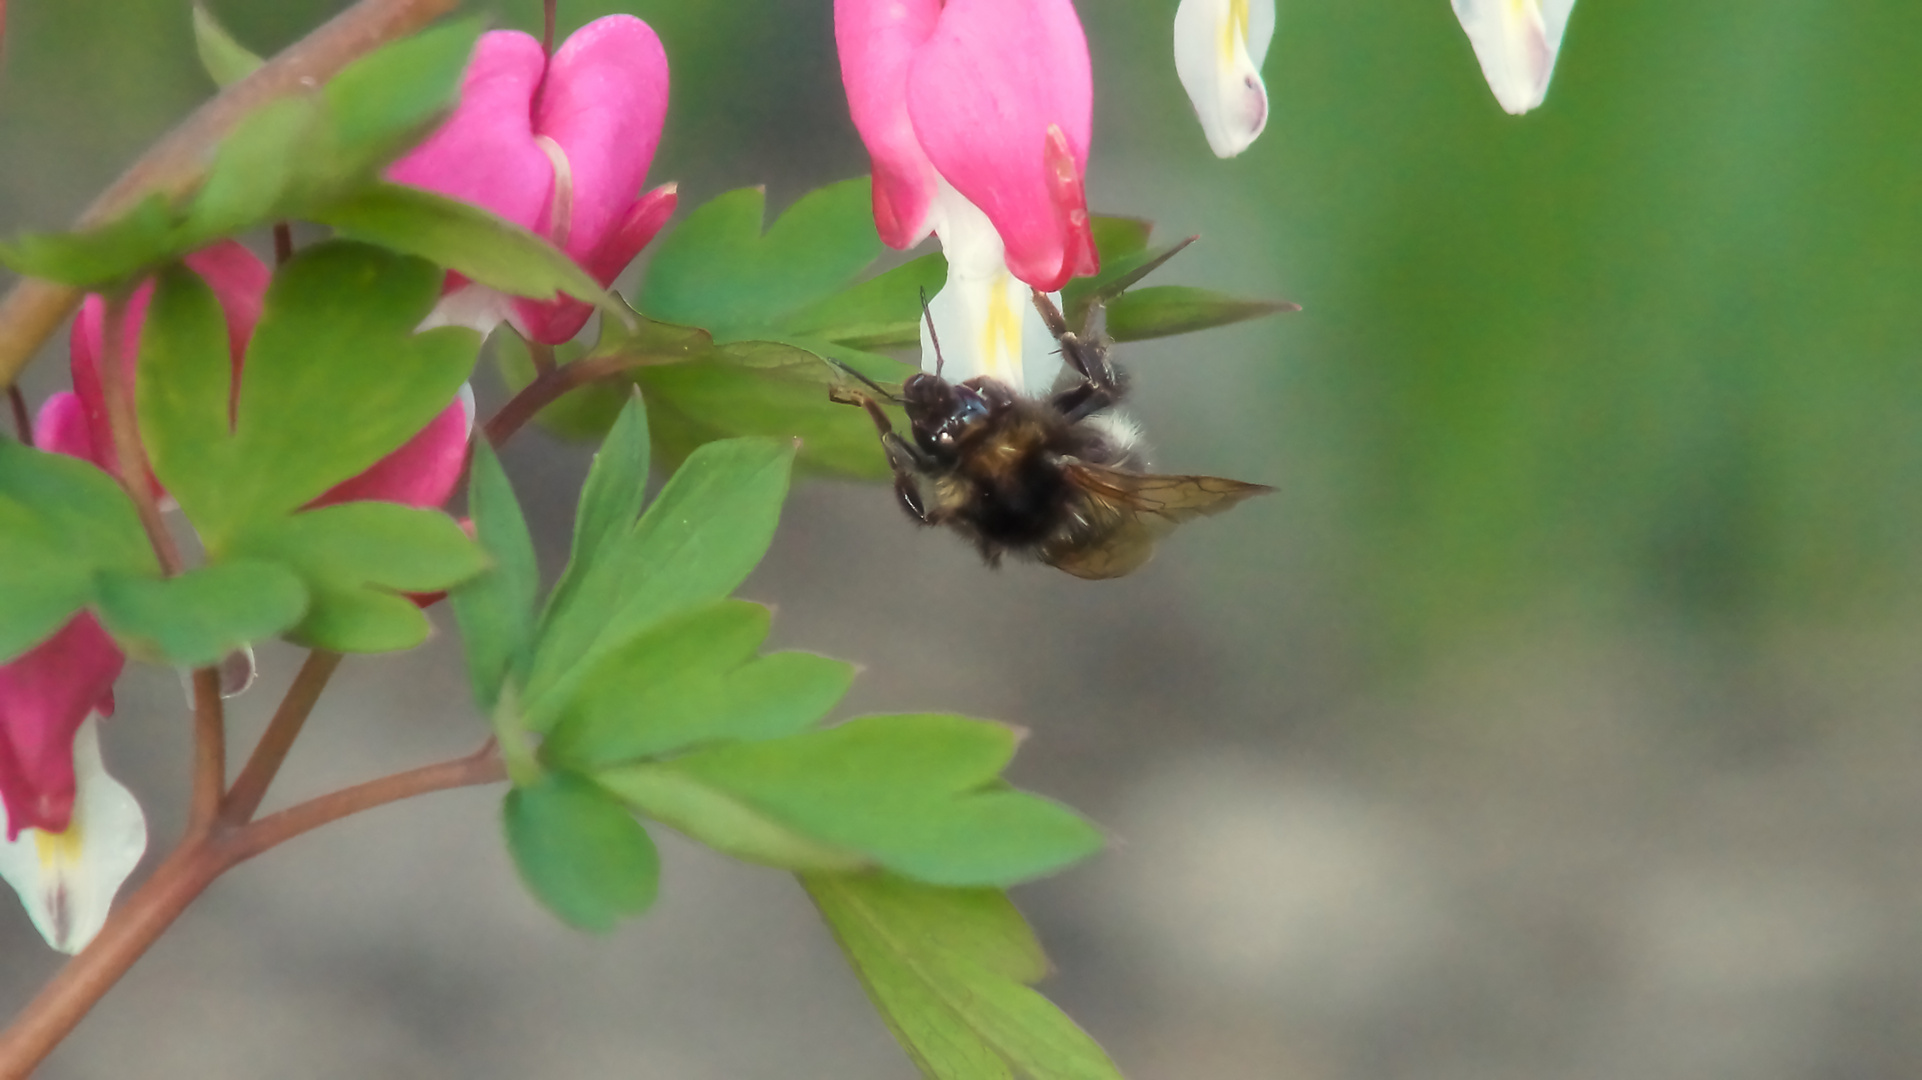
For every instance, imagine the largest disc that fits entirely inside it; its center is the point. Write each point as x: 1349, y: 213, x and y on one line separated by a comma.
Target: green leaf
x: 948, y: 970
x: 356, y: 559
x: 381, y: 104
x: 770, y: 389
x: 611, y: 498
x: 580, y: 852
x: 883, y: 312
x: 660, y: 690
x: 227, y: 61
x: 62, y: 522
x: 138, y: 239
x: 722, y: 822
x: 719, y: 272
x: 1119, y: 237
x: 919, y: 795
x: 336, y: 379
x: 1164, y: 310
x: 465, y: 238
x: 252, y: 171
x: 495, y: 609
x: 708, y: 528
x: 688, y: 680
x: 197, y: 618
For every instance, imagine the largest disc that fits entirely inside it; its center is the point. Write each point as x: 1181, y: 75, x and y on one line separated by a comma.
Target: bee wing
x: 1144, y: 507
x: 1170, y: 497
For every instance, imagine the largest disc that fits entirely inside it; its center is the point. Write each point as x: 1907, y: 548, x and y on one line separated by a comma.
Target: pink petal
x: 557, y: 322
x: 44, y: 696
x: 422, y: 473
x: 983, y: 93
x: 604, y: 103
x: 61, y: 427
x: 485, y: 153
x: 877, y: 41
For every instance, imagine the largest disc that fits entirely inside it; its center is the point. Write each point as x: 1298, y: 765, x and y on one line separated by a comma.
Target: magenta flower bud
x: 45, y: 694
x: 561, y: 146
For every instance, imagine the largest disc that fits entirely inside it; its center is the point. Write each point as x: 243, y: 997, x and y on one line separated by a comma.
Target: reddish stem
x: 210, y: 751
x: 250, y: 787
x: 551, y: 384
x: 22, y: 416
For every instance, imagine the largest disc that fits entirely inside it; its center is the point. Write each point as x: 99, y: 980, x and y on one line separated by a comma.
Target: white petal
x: 476, y: 307
x: 984, y: 316
x: 1517, y: 42
x: 68, y: 880
x: 1219, y: 47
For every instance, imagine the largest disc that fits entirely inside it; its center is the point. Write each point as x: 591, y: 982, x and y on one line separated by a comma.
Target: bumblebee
x: 1058, y: 479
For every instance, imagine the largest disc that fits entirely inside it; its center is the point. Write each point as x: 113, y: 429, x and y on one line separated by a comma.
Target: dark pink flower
x: 44, y: 696
x: 990, y: 100
x: 559, y: 145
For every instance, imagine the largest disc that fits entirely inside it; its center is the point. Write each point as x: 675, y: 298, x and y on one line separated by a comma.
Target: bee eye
x: 945, y: 438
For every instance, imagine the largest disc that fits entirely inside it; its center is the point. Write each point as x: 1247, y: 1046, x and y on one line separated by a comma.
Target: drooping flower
x: 1517, y: 42
x: 561, y: 146
x: 977, y: 116
x: 1219, y: 47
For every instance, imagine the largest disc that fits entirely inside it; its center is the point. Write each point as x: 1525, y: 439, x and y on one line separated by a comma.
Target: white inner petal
x: 67, y: 881
x: 1219, y: 47
x: 984, y: 316
x: 1516, y: 42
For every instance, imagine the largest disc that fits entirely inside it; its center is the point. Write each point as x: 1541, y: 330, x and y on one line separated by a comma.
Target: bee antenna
x: 927, y: 314
x: 871, y: 384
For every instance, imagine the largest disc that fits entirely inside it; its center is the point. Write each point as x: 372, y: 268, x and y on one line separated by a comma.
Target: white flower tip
x: 67, y: 880
x: 1516, y: 42
x: 1219, y: 47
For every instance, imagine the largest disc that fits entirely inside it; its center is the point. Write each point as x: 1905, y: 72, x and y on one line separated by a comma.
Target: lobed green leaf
x: 580, y: 852
x: 496, y: 608
x: 882, y: 312
x: 63, y: 522
x: 919, y: 795
x: 196, y: 618
x: 226, y: 61
x: 948, y: 970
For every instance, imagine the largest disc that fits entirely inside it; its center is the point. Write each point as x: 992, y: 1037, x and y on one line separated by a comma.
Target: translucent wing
x: 1133, y: 510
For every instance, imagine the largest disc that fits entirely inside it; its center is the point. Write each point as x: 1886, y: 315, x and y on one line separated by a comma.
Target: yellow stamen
x: 1235, y: 30
x: 57, y: 849
x: 1001, y: 332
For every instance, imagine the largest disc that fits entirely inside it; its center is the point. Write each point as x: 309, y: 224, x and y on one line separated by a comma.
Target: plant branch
x: 548, y: 387
x: 34, y: 309
x: 483, y: 766
x: 250, y: 787
x: 116, y: 386
x: 210, y: 751
x: 138, y: 922
x: 22, y: 416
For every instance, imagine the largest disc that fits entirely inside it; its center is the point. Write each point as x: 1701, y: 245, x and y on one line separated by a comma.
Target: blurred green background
x: 1555, y: 719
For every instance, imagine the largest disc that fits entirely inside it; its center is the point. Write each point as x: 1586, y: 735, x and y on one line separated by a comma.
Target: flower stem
x: 130, y: 458
x: 201, y: 858
x: 34, y: 309
x: 22, y: 416
x: 210, y: 751
x: 550, y: 385
x: 283, y: 243
x: 250, y: 787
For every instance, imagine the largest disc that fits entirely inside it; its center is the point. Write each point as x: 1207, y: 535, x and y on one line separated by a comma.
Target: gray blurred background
x: 1556, y: 720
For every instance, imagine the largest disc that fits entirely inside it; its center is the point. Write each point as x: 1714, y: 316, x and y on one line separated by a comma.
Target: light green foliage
x: 1166, y: 310
x: 202, y: 615
x: 580, y: 852
x: 949, y: 970
x: 919, y: 795
x: 883, y: 312
x: 335, y: 379
x: 703, y: 534
x: 227, y: 61
x: 489, y: 249
x: 62, y: 523
x: 495, y: 608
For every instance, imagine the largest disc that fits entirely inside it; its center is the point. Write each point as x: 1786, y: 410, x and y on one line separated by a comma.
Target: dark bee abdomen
x: 1019, y: 501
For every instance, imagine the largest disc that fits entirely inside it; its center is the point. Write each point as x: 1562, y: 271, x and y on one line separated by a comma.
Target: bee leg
x: 1082, y: 400
x: 1088, y: 352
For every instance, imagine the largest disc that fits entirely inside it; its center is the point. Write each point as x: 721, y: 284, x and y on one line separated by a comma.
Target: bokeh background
x: 1557, y: 719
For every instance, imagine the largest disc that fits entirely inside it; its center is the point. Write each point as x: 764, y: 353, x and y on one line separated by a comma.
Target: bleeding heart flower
x: 977, y: 116
x: 1219, y: 47
x: 559, y: 145
x: 1517, y: 42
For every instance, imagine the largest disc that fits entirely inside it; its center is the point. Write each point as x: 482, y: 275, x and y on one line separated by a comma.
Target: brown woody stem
x: 210, y: 751
x: 250, y: 787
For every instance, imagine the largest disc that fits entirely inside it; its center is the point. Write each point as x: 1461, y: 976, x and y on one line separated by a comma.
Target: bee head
x: 944, y: 413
